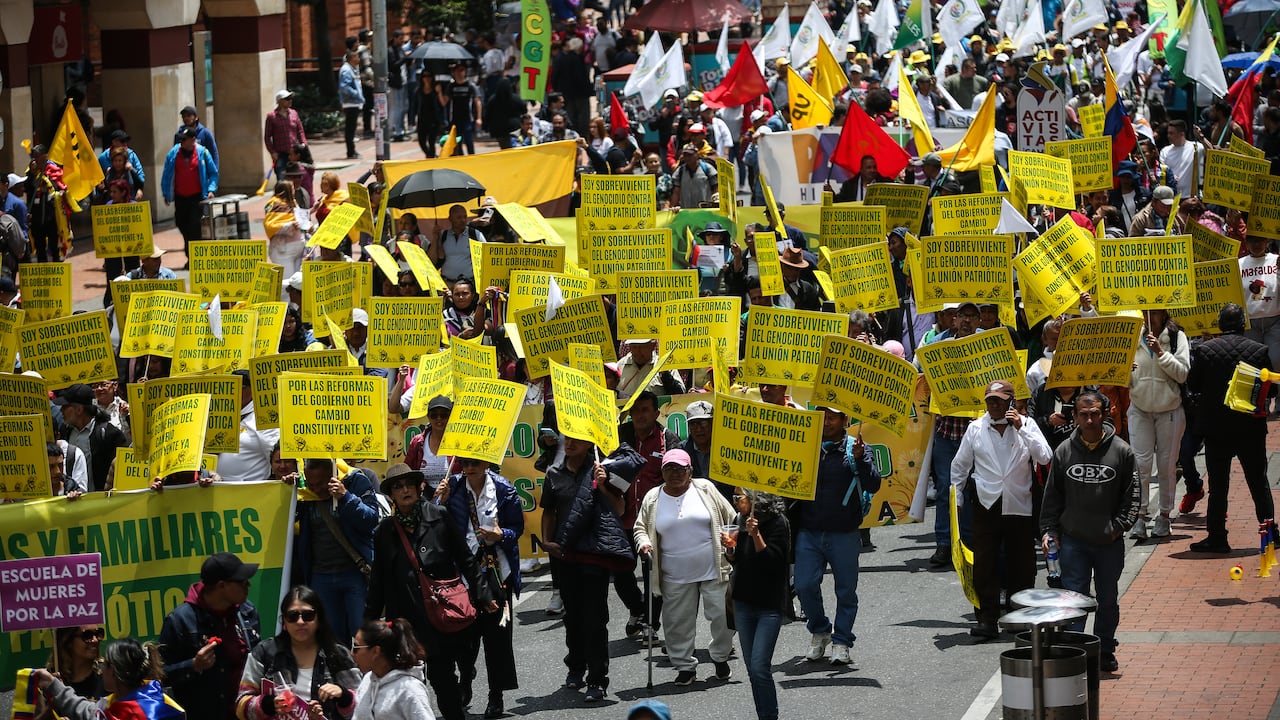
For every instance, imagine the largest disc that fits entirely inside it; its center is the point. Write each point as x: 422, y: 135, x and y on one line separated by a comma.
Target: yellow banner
x: 1238, y: 146
x: 869, y: 384
x: 331, y: 416
x: 197, y: 349
x: 266, y: 337
x: 268, y: 283
x: 1228, y: 178
x: 434, y: 378
x: 153, y: 322
x: 483, y: 418
x: 226, y: 268
x: 328, y: 288
x: 498, y: 260
x: 1093, y: 118
x: 1217, y: 283
x: 904, y: 204
x: 24, y: 465
x: 402, y: 329
x: 727, y: 187
x: 765, y: 447
x: 958, y: 268
x: 616, y: 202
x: 1264, y: 219
x: 847, y: 225
x: 1145, y: 273
x: 473, y: 360
x: 528, y: 224
x: 587, y: 360
x: 529, y: 288
x: 784, y: 346
x: 423, y: 270
x: 1046, y: 178
x: 768, y: 264
x: 1095, y: 351
x: 1208, y: 245
x: 337, y: 225
x: 693, y: 330
x: 122, y: 230
x: 131, y: 471
x: 577, y: 321
x: 359, y: 195
x: 966, y: 214
x: 177, y: 435
x: 123, y: 290
x: 863, y: 279
x: 265, y: 373
x: 1090, y: 162
x: 10, y: 319
x: 69, y: 350
x: 641, y: 296
x: 223, y: 430
x: 610, y: 252
x: 584, y: 409
x: 46, y: 290
x: 1058, y: 266
x: 959, y: 370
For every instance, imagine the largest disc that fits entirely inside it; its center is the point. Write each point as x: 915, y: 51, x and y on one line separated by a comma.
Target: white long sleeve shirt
x: 1000, y: 464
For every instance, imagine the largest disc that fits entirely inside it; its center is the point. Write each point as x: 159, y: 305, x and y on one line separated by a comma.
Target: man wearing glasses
x: 117, y: 410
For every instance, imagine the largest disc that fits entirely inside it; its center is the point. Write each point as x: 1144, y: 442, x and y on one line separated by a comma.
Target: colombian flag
x: 146, y: 703
x: 1117, y: 123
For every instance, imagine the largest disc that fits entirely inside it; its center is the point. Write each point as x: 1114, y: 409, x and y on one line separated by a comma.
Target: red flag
x: 1243, y: 97
x: 742, y: 84
x: 617, y: 116
x: 861, y: 136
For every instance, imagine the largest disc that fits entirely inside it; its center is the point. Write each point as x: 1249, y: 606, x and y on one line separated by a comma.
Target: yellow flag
x: 450, y: 143
x: 73, y: 150
x: 805, y: 106
x: 978, y: 146
x: 909, y: 109
x: 828, y: 77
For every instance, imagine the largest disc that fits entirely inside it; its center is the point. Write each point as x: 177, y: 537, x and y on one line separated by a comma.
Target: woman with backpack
x: 1156, y: 418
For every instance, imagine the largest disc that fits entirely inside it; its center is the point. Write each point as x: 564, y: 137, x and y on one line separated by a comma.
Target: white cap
x: 294, y: 281
x: 670, y: 93
x: 758, y: 114
x: 283, y: 95
x: 1002, y: 57
x: 360, y: 317
x: 16, y: 179
x: 855, y: 68
x: 1077, y: 43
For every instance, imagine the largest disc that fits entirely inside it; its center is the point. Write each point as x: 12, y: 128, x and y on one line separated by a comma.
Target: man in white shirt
x: 1181, y: 155
x: 998, y: 450
x: 636, y: 365
x: 253, y: 462
x: 117, y: 410
x: 718, y: 133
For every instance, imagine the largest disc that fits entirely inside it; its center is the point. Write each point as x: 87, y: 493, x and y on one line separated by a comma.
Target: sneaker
x: 1107, y: 662
x: 1211, y: 545
x: 985, y: 631
x: 353, y: 156
x: 1189, y: 501
x: 686, y: 677
x: 528, y: 566
x: 575, y: 680
x: 635, y: 627
x: 818, y: 646
x: 840, y: 655
x: 1139, y: 531
x: 555, y: 606
x: 941, y: 557
x: 723, y: 671
x: 595, y: 693
x: 1161, y: 527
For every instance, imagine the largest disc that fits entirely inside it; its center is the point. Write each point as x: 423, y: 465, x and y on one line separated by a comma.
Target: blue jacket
x: 208, y: 172
x: 837, y: 502
x: 510, y: 518
x: 104, y: 159
x: 349, y: 91
x: 357, y: 515
x: 204, y: 136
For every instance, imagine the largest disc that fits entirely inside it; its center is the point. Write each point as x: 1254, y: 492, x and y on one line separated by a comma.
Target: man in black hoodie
x: 1090, y: 502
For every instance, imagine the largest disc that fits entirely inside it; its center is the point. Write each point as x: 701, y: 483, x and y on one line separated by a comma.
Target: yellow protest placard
x: 867, y: 383
x: 223, y: 428
x: 131, y: 471
x: 693, y: 330
x: 265, y: 373
x: 616, y: 202
x: 1058, y: 266
x: 69, y: 350
x: 584, y: 409
x: 382, y: 258
x: 727, y: 187
x: 10, y: 319
x: 577, y: 321
x: 46, y: 290
x: 528, y: 224
x: 784, y: 346
x: 1145, y: 273
x: 359, y: 195
x: 958, y: 268
x: 497, y: 260
x: 24, y: 464
x: 587, y: 359
x: 529, y: 288
x: 1016, y: 190
x: 177, y: 435
x: 1238, y: 146
x: 966, y: 214
x: 768, y: 264
x: 226, y: 268
x: 402, y: 329
x: 1208, y: 245
x: 473, y: 360
x: 1047, y: 179
x: 1090, y: 162
x: 959, y: 370
x: 641, y: 296
x: 1217, y: 283
x: 25, y: 395
x: 424, y: 271
x: 610, y: 252
x: 122, y: 230
x: 987, y: 179
x: 484, y: 415
x: 270, y: 328
x: 434, y: 378
x: 337, y: 226
x: 773, y: 215
x: 1228, y: 178
x: 765, y: 447
x: 328, y: 288
x: 328, y: 416
x: 123, y: 290
x: 863, y: 279
x: 153, y: 322
x: 904, y: 204
x: 1095, y: 351
x: 1093, y: 118
x: 197, y: 349
x: 268, y: 283
x: 847, y: 225
x: 1264, y: 218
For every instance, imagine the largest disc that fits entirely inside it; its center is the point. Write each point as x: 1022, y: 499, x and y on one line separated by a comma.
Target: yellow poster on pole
x: 382, y: 258
x: 270, y: 328
x: 863, y: 279
x: 904, y: 204
x: 693, y: 330
x: 223, y: 431
x: 867, y: 383
x: 584, y: 409
x: 153, y: 322
x: 122, y: 230
x: 966, y: 214
x: 987, y: 179
x: 641, y: 296
x: 46, y: 290
x: 434, y: 378
x: 337, y: 226
x: 959, y: 268
x: 784, y: 346
x: 727, y: 188
x: 577, y: 321
x: 268, y: 283
x: 265, y: 373
x: 765, y: 447
x: 424, y: 271
x: 1048, y: 179
x: 359, y: 195
x: 959, y: 370
x: 1264, y: 219
x: 497, y: 260
x: 768, y: 264
x: 24, y: 463
x: 616, y: 202
x: 529, y: 288
x: 1217, y: 283
x: 226, y: 268
x: 1208, y: 245
x: 1092, y: 120
x: 1095, y: 351
x: 197, y: 349
x: 1145, y: 273
x: 847, y: 225
x: 25, y: 395
x: 69, y: 350
x: 10, y: 319
x: 473, y: 360
x: 528, y: 224
x: 402, y: 329
x: 1237, y: 145
x: 177, y: 435
x: 1058, y: 266
x: 1090, y: 162
x: 483, y: 418
x: 609, y: 252
x: 123, y: 290
x: 587, y: 359
x: 1228, y: 178
x: 333, y: 416
x: 131, y: 471
x: 328, y: 288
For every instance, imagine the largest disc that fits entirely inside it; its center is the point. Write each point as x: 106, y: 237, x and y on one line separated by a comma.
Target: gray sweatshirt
x: 1092, y: 495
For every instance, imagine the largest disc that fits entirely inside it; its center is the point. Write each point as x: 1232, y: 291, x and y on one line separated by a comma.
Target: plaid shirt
x: 282, y: 132
x: 950, y: 427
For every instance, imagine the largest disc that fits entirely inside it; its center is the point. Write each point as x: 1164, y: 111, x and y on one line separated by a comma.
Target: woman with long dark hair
x: 131, y: 673
x: 391, y: 658
x: 78, y: 662
x: 758, y: 550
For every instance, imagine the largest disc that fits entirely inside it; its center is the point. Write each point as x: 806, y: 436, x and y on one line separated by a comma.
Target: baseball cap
x: 1002, y: 57
x: 677, y: 457
x: 1164, y: 194
x: 855, y: 68
x: 188, y: 110
x: 226, y: 567
x: 698, y: 410
x: 670, y: 93
x: 16, y: 179
x: 78, y: 394
x: 1000, y: 389
x: 294, y: 281
x: 697, y: 128
x: 360, y: 317
x: 440, y: 402
x: 932, y: 158
x: 283, y: 95
x: 187, y: 133
x: 640, y: 341
x: 757, y: 115
x: 688, y: 150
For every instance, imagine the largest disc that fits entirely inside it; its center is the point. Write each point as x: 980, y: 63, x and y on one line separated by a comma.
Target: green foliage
x: 319, y: 113
x: 451, y: 14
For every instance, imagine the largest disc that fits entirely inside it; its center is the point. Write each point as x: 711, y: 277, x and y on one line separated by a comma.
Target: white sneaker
x: 818, y: 646
x: 1139, y: 531
x: 1161, y: 527
x: 528, y: 565
x: 555, y: 606
x: 840, y: 655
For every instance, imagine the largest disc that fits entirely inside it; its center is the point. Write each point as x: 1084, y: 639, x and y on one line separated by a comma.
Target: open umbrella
x: 686, y: 15
x: 433, y: 188
x: 436, y: 50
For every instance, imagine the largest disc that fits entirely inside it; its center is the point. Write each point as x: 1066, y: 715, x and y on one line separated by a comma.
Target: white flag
x: 891, y: 74
x: 722, y: 47
x: 555, y: 300
x: 804, y: 46
x: 1124, y: 59
x: 776, y: 42
x: 1079, y: 16
x: 649, y: 59
x: 215, y: 317
x: 1010, y: 17
x: 884, y: 25
x: 1012, y: 221
x: 956, y: 19
x: 1203, y: 64
x: 1030, y: 32
x: 848, y: 34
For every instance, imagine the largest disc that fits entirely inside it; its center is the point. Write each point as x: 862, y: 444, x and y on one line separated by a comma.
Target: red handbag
x: 447, y: 602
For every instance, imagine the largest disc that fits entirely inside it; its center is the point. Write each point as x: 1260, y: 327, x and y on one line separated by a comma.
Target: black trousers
x: 186, y: 215
x: 351, y: 115
x: 585, y: 592
x: 1249, y: 446
x: 447, y: 667
x: 45, y: 239
x: 993, y: 531
x: 499, y: 653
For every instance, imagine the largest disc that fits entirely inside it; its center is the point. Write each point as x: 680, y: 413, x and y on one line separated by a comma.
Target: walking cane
x: 648, y: 630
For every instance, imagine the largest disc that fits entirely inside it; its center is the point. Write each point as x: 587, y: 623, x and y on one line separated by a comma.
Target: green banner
x: 535, y: 49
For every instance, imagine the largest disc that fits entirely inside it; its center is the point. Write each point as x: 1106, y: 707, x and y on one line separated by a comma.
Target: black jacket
x: 1212, y: 364
x: 208, y: 695
x: 590, y: 532
x: 103, y: 441
x: 274, y: 655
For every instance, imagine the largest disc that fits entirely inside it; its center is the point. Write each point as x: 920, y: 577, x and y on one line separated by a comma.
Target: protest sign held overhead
x: 585, y: 410
x: 784, y: 346
x: 483, y: 417
x: 1144, y: 273
x: 1228, y: 178
x: 956, y: 268
x: 122, y: 230
x: 846, y: 225
x: 694, y: 330
x: 904, y: 204
x: 577, y: 321
x: 24, y: 464
x: 863, y: 278
x: 641, y: 296
x: 402, y: 329
x: 1218, y: 282
x: 1095, y: 351
x: 959, y: 370
x: 765, y: 447
x: 68, y: 350
x: 966, y: 214
x: 226, y: 268
x: 177, y: 435
x: 866, y: 382
x: 1058, y: 266
x: 333, y: 416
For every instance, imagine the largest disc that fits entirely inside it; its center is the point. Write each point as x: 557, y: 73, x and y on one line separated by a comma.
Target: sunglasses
x: 439, y: 415
x: 294, y: 616
x: 399, y: 484
x: 93, y: 635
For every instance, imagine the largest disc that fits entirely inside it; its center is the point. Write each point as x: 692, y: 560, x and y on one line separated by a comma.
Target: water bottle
x: 1051, y: 560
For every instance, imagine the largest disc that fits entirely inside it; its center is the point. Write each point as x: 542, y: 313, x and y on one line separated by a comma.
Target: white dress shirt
x: 253, y: 462
x: 1001, y: 464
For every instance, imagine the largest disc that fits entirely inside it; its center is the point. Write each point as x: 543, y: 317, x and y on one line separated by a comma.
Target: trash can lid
x: 1027, y: 618
x: 1053, y: 597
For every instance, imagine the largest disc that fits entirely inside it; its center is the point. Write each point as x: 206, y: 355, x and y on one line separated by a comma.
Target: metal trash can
x: 1092, y: 647
x: 1066, y: 688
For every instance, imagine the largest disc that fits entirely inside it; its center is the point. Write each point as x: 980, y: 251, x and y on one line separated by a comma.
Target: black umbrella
x: 433, y: 188
x: 436, y: 50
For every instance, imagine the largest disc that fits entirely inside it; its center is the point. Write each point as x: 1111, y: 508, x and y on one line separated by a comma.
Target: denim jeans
x: 814, y: 551
x: 944, y: 451
x: 343, y: 596
x: 758, y: 630
x: 1082, y: 561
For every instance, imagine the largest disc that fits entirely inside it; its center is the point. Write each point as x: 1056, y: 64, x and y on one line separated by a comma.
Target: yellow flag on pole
x: 450, y: 143
x: 805, y: 106
x: 978, y: 146
x: 73, y: 150
x: 828, y: 77
x: 909, y: 109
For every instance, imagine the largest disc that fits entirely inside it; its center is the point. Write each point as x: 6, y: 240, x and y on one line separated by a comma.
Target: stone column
x: 16, y: 19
